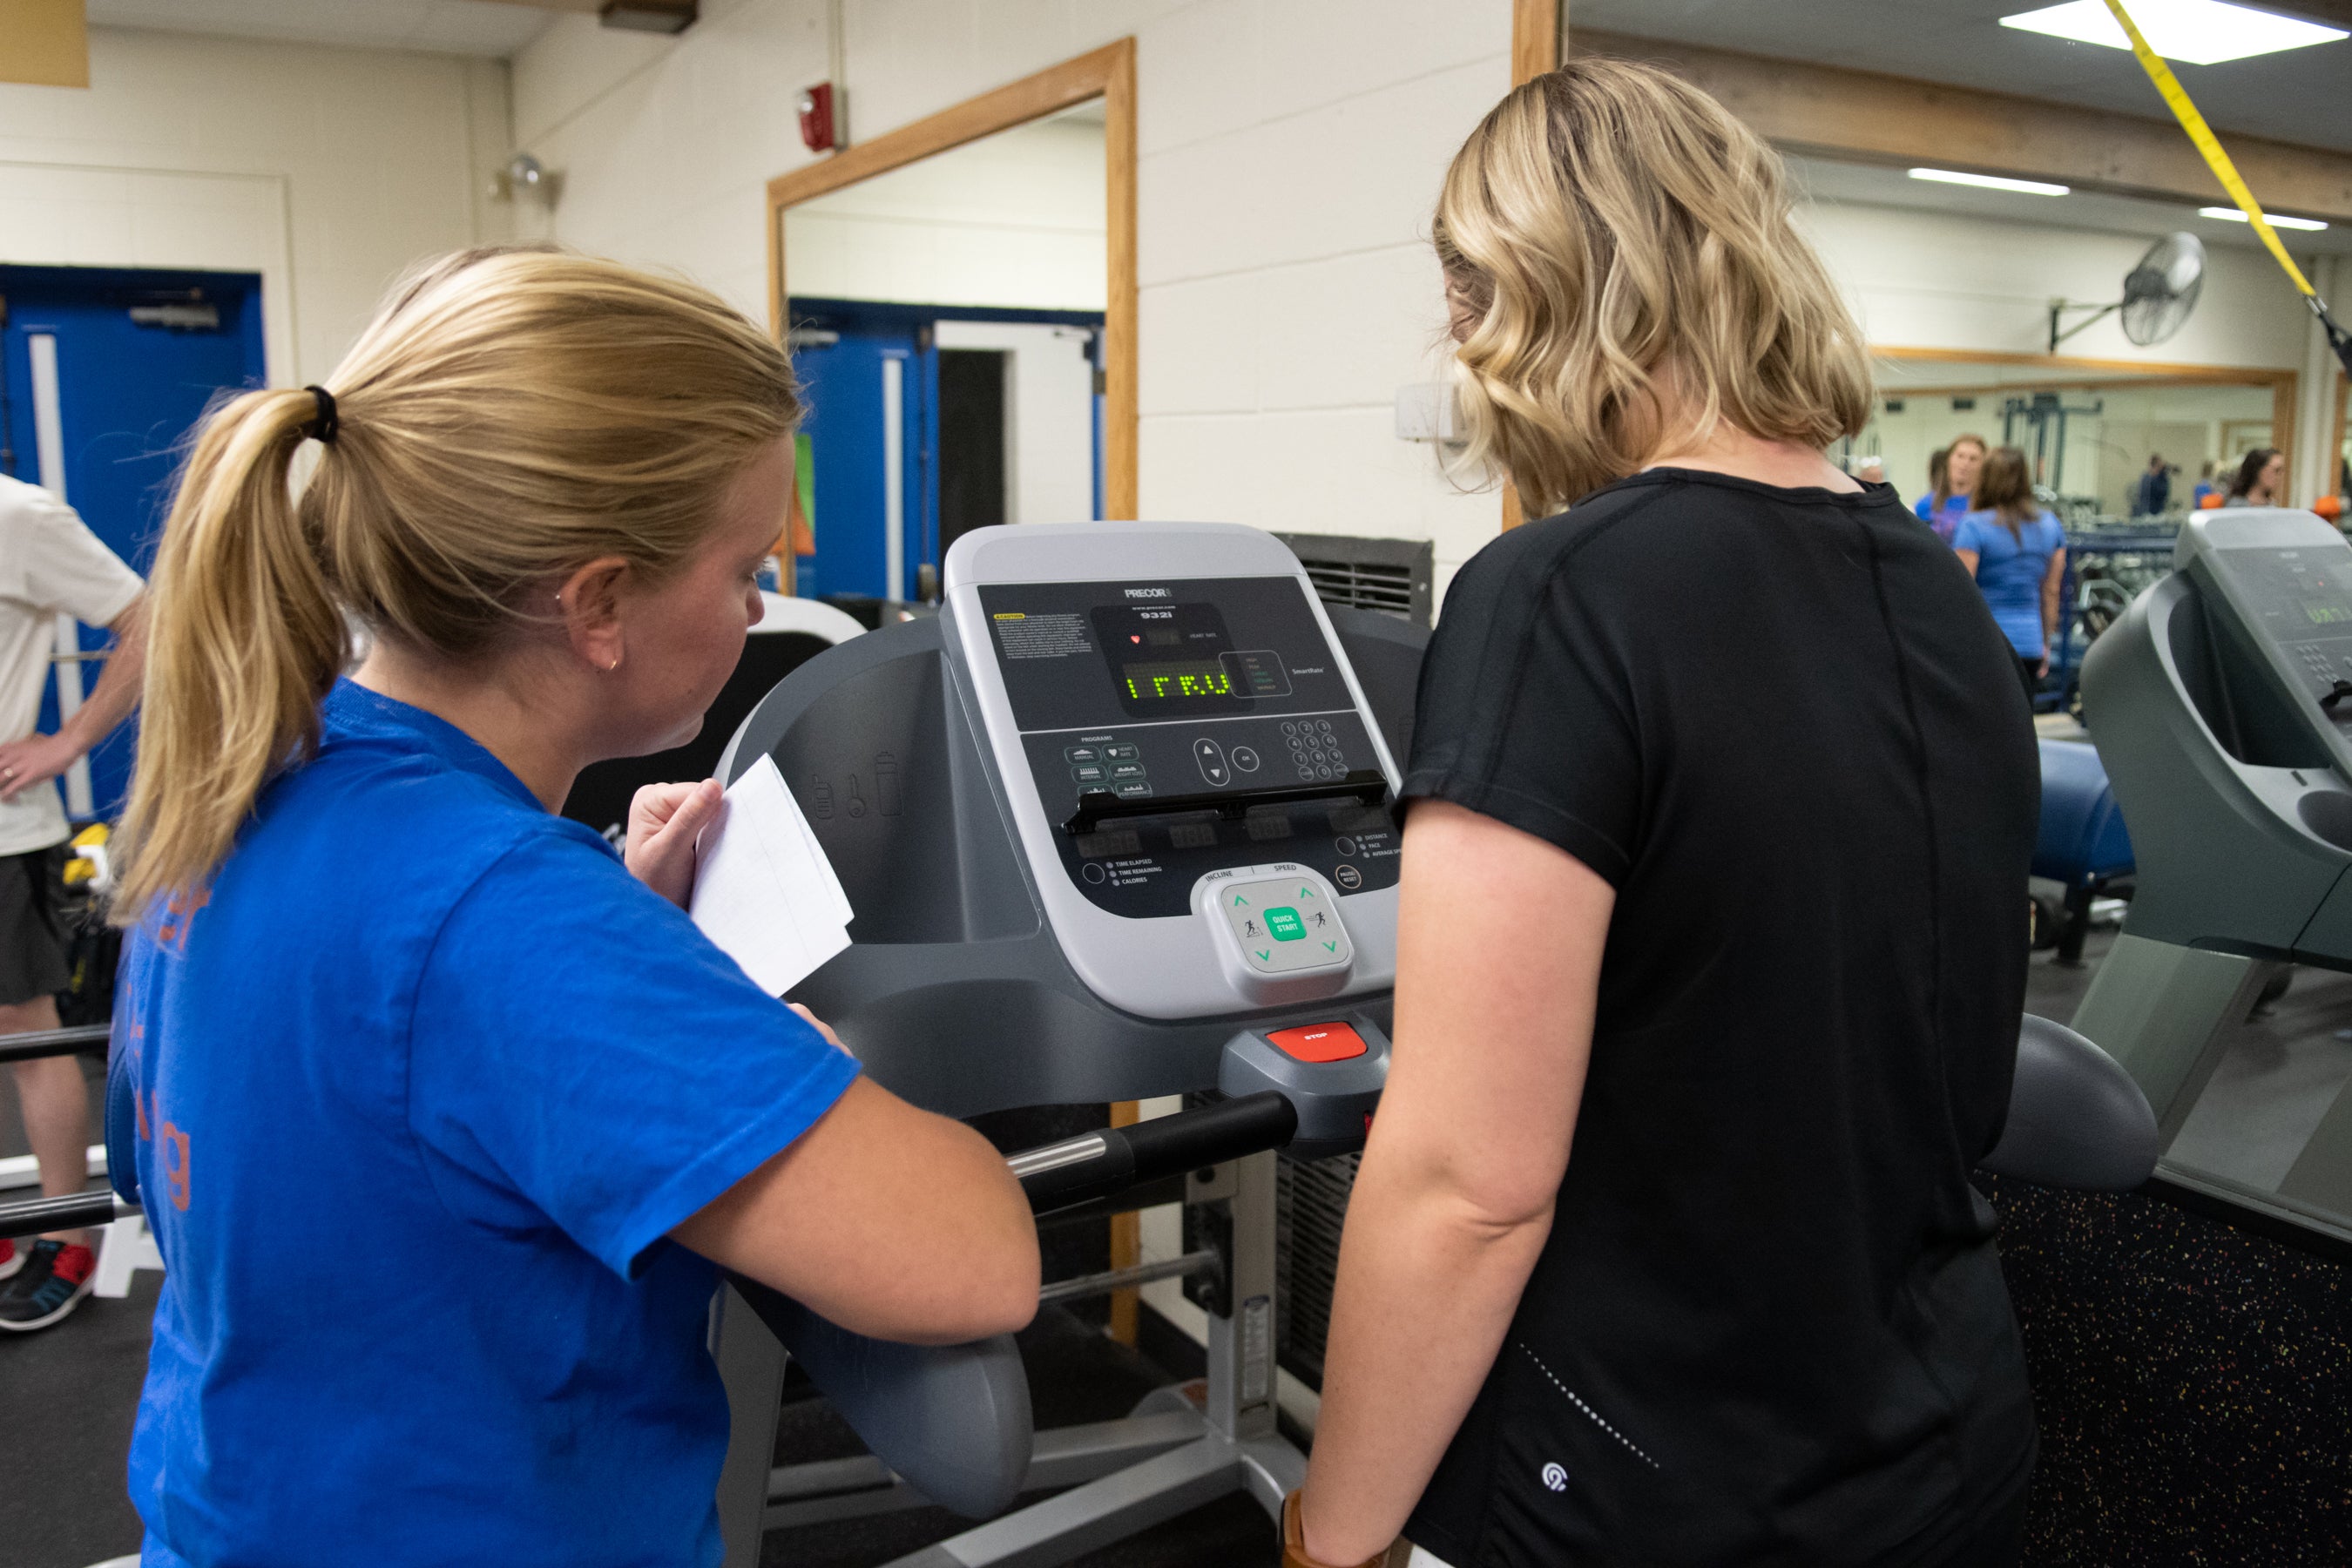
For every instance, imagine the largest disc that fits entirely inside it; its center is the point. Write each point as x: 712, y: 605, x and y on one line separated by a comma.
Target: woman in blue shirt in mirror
x: 447, y: 1120
x: 2017, y: 552
x: 1952, y: 482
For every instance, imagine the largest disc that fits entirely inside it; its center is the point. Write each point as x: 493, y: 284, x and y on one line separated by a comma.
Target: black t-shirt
x: 1768, y: 1325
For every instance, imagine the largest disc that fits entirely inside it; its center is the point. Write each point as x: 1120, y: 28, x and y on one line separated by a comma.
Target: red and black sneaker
x: 11, y: 1259
x: 55, y: 1277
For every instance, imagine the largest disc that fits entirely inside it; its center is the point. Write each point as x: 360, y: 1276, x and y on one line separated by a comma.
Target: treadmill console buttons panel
x: 1209, y: 694
x: 1277, y: 931
x: 2300, y: 600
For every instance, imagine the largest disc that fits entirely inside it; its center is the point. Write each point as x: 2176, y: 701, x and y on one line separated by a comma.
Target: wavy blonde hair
x: 509, y: 416
x: 1624, y: 248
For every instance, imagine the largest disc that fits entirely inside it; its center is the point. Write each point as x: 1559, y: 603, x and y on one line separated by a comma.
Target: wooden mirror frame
x: 1108, y: 73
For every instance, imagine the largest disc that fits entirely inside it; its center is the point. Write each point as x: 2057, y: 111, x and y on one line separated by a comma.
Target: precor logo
x: 1147, y: 593
x: 1554, y: 1478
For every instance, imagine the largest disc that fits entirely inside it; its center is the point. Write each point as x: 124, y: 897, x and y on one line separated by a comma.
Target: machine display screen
x: 1077, y: 655
x: 2325, y: 613
x: 1166, y: 660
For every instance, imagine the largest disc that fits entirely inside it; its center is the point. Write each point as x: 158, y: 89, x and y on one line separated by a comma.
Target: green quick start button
x: 1284, y: 924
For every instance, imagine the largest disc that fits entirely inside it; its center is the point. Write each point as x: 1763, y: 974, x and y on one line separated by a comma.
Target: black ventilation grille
x: 1391, y: 575
x: 1310, y: 1207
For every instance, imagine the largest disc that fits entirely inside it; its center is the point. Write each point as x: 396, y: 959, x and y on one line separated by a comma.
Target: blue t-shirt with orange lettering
x: 423, y: 1079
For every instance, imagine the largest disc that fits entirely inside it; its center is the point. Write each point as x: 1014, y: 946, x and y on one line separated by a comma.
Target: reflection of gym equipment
x: 2107, y: 567
x: 2045, y: 415
x: 790, y: 632
x: 2217, y: 705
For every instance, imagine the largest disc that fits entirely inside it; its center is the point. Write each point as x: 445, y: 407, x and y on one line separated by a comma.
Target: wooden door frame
x: 1539, y: 43
x: 2335, y: 434
x: 1108, y: 73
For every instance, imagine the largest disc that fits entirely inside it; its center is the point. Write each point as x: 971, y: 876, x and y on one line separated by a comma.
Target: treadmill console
x: 1171, y: 727
x: 2286, y: 580
x: 1165, y: 710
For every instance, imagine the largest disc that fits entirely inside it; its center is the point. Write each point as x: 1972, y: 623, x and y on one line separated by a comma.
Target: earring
x: 614, y: 665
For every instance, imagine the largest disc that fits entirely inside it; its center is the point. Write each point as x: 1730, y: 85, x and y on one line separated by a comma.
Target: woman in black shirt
x: 1723, y: 796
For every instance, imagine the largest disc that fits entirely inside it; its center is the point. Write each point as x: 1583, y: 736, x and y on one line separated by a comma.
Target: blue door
x: 125, y: 363
x: 868, y: 389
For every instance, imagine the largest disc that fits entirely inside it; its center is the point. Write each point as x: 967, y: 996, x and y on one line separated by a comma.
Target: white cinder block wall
x: 328, y: 171
x: 1288, y: 154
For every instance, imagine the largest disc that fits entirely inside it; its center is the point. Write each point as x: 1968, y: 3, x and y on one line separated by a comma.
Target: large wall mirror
x: 960, y: 298
x: 2090, y: 428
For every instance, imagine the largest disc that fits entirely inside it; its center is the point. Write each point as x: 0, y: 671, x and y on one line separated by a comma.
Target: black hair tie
x: 323, y: 428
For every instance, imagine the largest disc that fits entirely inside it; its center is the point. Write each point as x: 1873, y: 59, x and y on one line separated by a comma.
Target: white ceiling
x: 439, y: 26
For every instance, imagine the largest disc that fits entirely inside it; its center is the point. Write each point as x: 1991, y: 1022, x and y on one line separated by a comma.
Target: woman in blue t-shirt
x: 1953, y: 483
x: 447, y: 1116
x: 2017, y: 553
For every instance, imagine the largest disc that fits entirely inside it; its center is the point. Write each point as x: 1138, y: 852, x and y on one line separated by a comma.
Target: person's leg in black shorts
x: 55, y: 1272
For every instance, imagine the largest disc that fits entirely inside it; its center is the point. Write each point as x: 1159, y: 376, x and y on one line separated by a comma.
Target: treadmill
x: 1116, y: 825
x: 2221, y: 706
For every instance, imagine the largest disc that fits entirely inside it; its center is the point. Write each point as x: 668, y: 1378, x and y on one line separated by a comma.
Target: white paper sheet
x: 763, y: 890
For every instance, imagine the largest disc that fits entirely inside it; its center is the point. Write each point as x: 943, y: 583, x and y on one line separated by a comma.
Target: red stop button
x: 1320, y: 1042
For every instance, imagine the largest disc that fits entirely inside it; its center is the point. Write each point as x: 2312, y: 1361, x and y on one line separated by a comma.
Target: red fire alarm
x: 816, y: 118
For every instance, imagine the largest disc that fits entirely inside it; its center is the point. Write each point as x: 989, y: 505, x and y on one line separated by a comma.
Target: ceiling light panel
x: 2195, y: 32
x: 1989, y: 182
x: 2234, y: 216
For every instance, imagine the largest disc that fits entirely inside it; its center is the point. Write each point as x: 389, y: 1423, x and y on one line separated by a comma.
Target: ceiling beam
x: 1865, y: 116
x: 589, y: 7
x: 2335, y: 13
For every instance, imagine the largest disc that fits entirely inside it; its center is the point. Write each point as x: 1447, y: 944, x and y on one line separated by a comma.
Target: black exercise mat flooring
x: 68, y: 1397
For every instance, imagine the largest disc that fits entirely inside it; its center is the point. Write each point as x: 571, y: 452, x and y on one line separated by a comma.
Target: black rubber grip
x: 1166, y: 1147
x: 80, y: 1211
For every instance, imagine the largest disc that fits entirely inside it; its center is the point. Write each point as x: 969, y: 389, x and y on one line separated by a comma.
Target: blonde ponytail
x: 509, y: 416
x: 243, y: 642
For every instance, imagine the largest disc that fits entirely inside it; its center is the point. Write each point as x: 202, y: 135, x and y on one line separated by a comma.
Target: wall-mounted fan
x: 2159, y: 293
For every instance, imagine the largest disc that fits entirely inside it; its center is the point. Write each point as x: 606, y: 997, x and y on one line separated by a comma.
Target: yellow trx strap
x: 2177, y: 98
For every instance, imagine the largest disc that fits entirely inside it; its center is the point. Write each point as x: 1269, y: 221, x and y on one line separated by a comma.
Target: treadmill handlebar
x: 77, y: 1211
x: 1099, y: 1164
x: 39, y: 1043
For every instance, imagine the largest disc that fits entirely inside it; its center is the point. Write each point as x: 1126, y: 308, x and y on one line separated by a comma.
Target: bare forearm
x: 1426, y: 1293
x: 116, y: 692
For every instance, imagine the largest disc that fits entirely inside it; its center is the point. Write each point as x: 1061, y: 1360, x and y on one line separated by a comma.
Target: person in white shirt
x: 50, y: 563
